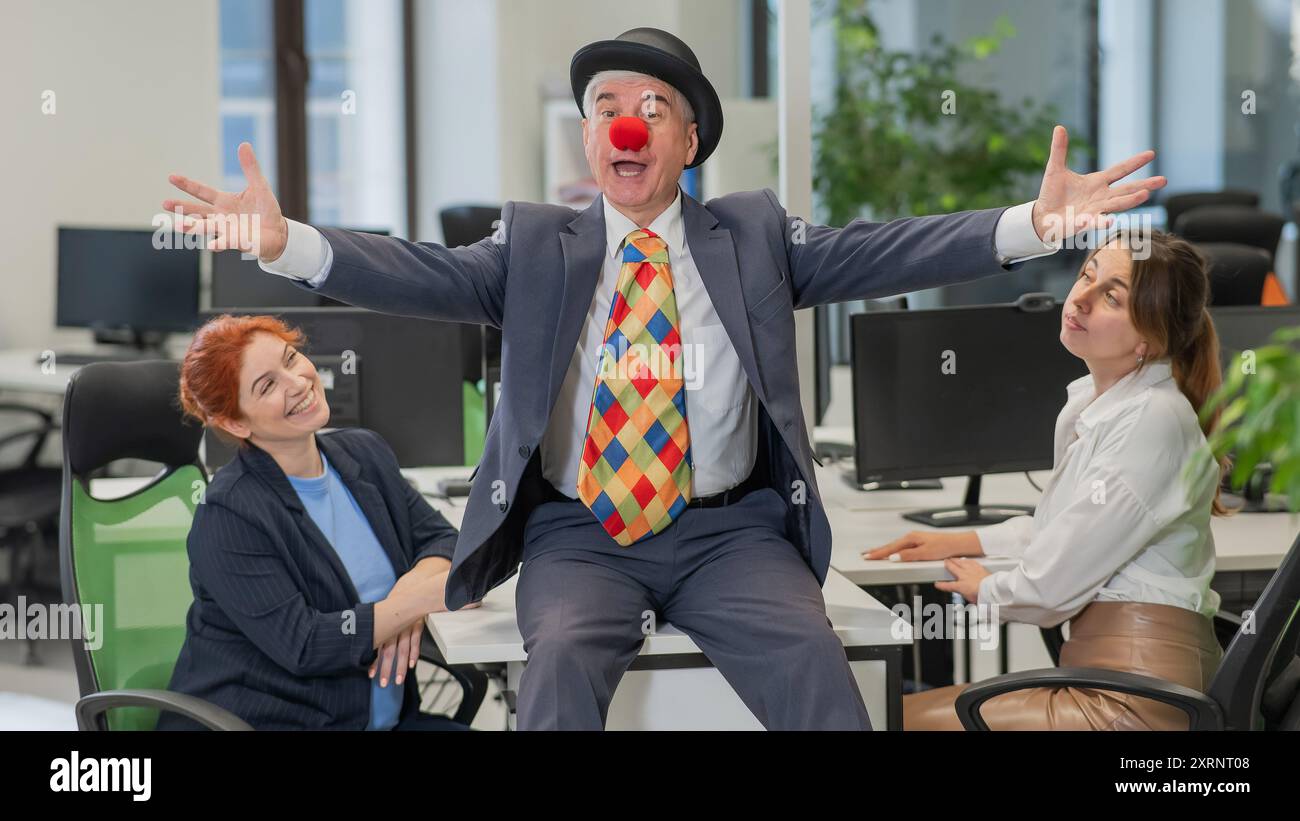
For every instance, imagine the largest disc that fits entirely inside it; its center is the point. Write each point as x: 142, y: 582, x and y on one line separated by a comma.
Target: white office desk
x: 671, y: 685
x: 25, y: 370
x: 859, y: 520
x: 21, y: 370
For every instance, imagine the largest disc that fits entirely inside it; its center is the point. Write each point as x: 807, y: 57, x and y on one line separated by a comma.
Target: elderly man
x: 683, y: 493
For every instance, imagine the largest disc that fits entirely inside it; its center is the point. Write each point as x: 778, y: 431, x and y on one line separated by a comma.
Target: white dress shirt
x: 720, y: 405
x: 1125, y: 515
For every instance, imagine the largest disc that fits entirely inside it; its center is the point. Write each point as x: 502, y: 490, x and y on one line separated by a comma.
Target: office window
x: 355, y: 140
x: 348, y: 156
x: 247, y: 106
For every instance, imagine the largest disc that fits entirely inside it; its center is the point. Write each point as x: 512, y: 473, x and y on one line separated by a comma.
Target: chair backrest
x: 1258, y: 681
x: 1237, y: 273
x: 1178, y: 204
x: 123, y: 561
x: 467, y: 224
x: 1232, y: 223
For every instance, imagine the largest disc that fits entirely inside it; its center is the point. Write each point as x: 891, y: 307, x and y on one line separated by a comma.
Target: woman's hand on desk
x: 928, y: 545
x: 967, y: 575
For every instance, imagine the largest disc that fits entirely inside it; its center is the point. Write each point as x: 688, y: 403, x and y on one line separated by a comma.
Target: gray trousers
x: 727, y: 577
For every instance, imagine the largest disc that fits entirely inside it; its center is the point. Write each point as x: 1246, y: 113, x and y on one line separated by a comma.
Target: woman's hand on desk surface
x: 249, y: 221
x: 928, y: 545
x: 967, y: 575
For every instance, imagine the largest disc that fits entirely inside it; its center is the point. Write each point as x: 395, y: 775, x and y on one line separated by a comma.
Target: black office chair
x: 29, y: 497
x: 1237, y: 272
x: 1178, y: 204
x: 1257, y: 685
x: 467, y: 224
x: 1232, y: 223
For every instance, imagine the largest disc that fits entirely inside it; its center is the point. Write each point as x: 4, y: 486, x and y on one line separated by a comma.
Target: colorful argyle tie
x: 635, y: 472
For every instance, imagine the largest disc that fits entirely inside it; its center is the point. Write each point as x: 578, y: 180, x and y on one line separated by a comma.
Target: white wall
x: 485, y: 69
x: 1190, y: 96
x: 537, y: 41
x: 458, y: 115
x: 136, y: 91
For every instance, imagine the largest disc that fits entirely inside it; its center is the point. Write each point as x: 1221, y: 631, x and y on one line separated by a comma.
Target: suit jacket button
x: 502, y: 506
x: 524, y: 451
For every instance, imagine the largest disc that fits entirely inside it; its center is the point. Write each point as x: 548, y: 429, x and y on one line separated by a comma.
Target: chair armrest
x: 472, y: 681
x: 41, y: 433
x: 91, y: 707
x: 1202, y: 712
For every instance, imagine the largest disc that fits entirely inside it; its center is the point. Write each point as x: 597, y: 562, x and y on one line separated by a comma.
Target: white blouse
x: 1125, y: 515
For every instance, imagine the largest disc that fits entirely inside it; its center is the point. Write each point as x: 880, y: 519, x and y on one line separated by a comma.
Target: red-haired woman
x: 1120, y: 543
x: 313, y: 562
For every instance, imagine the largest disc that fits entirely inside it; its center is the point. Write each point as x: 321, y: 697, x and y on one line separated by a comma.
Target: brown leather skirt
x: 1158, y: 640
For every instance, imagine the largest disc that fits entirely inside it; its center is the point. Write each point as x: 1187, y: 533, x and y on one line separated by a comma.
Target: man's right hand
x: 249, y: 221
x: 929, y: 545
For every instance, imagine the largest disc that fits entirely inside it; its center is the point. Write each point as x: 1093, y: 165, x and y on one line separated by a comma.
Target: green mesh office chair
x: 123, y: 560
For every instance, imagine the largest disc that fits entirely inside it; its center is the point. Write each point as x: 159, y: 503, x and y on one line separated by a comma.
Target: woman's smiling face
x: 280, y: 393
x: 1095, y: 321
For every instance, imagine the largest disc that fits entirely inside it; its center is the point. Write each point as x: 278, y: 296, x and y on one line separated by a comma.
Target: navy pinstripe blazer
x: 277, y: 633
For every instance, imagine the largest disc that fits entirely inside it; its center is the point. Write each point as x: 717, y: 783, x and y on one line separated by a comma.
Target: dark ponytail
x: 1197, y: 372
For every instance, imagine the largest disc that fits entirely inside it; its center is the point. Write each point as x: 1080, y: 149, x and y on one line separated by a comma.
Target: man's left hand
x: 1070, y: 203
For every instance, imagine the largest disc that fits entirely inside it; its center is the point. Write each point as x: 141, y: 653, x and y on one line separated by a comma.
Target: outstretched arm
x: 385, y: 274
x: 865, y: 260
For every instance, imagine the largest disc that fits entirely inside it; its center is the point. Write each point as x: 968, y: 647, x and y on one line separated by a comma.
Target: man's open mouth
x: 627, y: 168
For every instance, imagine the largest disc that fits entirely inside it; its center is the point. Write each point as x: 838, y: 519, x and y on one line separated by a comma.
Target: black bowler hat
x: 658, y: 54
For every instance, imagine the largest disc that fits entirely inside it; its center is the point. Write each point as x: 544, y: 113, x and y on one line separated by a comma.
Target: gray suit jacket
x: 535, y: 281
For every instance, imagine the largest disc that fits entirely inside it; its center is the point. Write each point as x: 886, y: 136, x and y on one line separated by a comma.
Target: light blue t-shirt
x: 336, y: 513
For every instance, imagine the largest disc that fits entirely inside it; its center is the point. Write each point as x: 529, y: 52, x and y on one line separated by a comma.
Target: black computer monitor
x: 1245, y: 327
x: 239, y: 282
x: 115, y: 281
x: 959, y: 391
x: 397, y: 376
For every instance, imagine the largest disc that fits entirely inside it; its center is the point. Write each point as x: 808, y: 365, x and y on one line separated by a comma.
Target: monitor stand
x: 971, y: 513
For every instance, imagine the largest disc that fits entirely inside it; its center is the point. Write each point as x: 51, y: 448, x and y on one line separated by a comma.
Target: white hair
x: 679, y: 100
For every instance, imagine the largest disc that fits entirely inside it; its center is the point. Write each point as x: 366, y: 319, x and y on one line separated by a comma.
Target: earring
x: 1141, y: 359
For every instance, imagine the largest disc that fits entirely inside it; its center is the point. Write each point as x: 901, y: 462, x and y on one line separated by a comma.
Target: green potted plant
x: 907, y: 135
x: 1259, y: 422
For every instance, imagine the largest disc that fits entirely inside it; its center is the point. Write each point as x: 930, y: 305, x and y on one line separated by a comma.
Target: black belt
x: 726, y: 497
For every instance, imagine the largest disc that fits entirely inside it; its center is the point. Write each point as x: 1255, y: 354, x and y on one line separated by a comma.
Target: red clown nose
x: 628, y: 133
